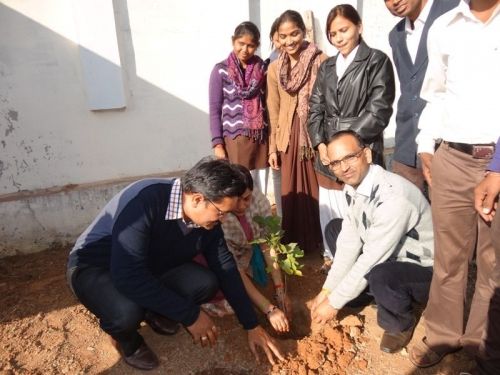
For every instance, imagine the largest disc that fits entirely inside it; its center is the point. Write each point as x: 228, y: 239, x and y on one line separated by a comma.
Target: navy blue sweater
x: 132, y: 238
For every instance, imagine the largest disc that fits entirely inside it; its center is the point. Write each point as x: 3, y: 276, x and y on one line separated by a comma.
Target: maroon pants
x: 458, y: 231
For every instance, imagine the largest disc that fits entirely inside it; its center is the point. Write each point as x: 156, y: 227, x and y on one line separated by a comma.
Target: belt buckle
x: 483, y: 151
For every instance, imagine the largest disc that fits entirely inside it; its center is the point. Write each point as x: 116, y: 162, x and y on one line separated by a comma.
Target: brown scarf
x: 300, y: 80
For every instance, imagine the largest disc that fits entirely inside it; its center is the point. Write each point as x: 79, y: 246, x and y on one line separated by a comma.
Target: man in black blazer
x: 408, y: 40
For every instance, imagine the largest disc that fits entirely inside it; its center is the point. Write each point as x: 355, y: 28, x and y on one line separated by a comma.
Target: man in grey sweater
x: 385, y: 243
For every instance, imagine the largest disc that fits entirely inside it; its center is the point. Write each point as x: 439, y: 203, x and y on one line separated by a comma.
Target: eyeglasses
x: 348, y: 160
x: 220, y: 213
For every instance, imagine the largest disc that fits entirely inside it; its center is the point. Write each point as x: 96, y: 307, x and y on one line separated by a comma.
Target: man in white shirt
x: 461, y: 90
x: 408, y: 40
x: 385, y: 243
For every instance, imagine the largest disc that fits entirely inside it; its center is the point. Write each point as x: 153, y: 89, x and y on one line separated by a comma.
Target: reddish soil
x: 44, y: 330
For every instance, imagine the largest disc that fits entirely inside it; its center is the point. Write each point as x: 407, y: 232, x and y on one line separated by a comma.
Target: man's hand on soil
x: 322, y: 296
x: 258, y: 337
x: 204, y: 331
x: 323, y: 312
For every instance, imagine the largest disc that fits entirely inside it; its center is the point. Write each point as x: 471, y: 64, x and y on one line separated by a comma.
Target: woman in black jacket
x: 354, y: 90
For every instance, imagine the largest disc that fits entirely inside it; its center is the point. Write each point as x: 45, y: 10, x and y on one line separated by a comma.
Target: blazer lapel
x: 402, y: 46
x: 332, y: 76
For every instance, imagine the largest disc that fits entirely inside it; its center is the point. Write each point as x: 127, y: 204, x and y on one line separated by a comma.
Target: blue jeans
x: 119, y: 316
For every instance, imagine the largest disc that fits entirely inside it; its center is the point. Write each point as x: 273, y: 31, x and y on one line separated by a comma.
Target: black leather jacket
x: 361, y: 101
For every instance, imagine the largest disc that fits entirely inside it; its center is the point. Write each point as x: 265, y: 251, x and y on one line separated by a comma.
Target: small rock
x: 354, y: 332
x: 362, y: 364
x: 351, y: 321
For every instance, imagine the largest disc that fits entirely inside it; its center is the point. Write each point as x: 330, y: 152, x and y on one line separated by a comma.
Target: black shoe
x: 394, y: 342
x: 161, y: 324
x: 143, y: 358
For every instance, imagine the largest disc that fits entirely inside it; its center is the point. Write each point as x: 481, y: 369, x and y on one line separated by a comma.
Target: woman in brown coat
x: 290, y: 80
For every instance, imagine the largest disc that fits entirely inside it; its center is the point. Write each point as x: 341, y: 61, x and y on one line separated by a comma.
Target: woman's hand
x: 278, y: 320
x: 220, y: 151
x: 273, y: 161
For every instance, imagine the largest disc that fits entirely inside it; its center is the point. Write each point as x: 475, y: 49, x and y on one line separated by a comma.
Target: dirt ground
x: 44, y: 330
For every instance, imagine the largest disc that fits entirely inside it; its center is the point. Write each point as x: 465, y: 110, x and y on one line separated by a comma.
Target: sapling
x: 285, y: 255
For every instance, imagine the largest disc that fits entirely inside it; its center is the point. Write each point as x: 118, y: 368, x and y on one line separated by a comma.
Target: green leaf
x: 286, y: 254
x: 257, y: 241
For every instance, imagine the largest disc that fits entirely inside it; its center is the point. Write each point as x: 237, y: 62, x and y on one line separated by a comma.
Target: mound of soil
x: 44, y: 330
x: 331, y: 349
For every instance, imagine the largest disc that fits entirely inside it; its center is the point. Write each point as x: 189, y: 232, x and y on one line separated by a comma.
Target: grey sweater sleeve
x: 356, y: 257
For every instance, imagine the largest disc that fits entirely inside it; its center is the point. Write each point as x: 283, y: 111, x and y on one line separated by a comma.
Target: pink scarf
x: 300, y: 80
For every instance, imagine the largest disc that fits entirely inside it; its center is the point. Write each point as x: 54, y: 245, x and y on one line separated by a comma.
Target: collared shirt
x: 387, y: 219
x: 344, y: 62
x: 462, y: 80
x: 413, y: 35
x: 174, y: 209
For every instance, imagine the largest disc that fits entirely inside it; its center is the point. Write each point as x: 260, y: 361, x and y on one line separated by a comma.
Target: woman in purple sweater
x: 238, y: 123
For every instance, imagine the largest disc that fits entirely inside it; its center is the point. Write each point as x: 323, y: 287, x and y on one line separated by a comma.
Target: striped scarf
x: 248, y: 85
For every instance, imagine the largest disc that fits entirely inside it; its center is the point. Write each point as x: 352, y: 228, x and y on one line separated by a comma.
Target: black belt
x: 479, y: 151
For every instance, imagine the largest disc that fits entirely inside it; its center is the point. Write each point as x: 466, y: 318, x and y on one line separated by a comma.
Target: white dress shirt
x: 413, y: 35
x: 462, y: 82
x: 344, y: 62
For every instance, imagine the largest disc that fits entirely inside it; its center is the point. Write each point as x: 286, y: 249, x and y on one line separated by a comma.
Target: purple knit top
x: 225, y: 106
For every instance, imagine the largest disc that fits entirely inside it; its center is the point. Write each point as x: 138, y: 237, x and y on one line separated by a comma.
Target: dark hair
x: 247, y: 28
x: 291, y: 16
x: 247, y: 176
x: 274, y: 29
x: 216, y: 179
x: 351, y: 133
x: 345, y: 10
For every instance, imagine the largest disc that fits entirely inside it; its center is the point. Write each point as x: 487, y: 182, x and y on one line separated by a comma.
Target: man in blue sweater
x: 134, y: 262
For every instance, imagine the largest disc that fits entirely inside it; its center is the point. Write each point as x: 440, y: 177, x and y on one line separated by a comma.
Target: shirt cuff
x: 426, y: 146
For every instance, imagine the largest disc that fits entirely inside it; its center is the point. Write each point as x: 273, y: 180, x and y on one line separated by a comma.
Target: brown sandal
x: 421, y: 355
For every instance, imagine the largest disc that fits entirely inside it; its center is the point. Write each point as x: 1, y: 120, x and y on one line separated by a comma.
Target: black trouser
x: 396, y: 286
x: 119, y: 316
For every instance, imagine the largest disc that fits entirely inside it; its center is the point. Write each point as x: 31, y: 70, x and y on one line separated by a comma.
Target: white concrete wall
x: 48, y: 135
x: 162, y: 51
